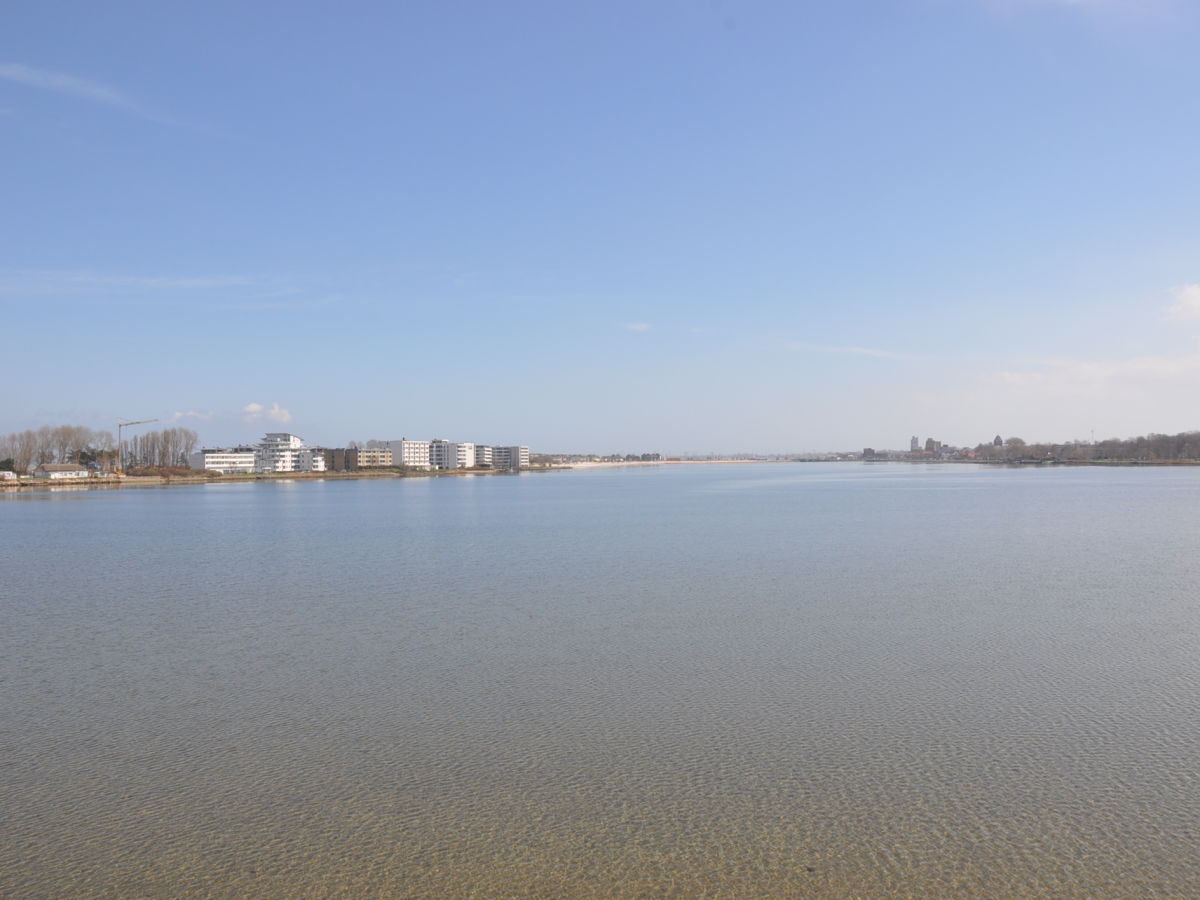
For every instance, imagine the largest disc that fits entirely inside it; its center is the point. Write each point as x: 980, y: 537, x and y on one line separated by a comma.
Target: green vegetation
x: 1151, y: 448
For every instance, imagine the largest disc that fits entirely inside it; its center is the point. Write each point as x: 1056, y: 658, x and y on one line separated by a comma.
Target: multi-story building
x: 226, y: 460
x: 374, y: 457
x: 464, y: 454
x: 510, y: 457
x: 340, y: 459
x: 443, y: 454
x: 410, y: 454
x: 282, y: 452
x: 355, y: 458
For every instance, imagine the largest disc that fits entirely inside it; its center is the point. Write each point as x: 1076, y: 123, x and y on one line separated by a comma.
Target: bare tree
x: 161, y: 449
x: 24, y: 450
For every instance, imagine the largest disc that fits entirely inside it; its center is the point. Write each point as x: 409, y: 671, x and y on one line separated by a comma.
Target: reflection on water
x: 883, y: 681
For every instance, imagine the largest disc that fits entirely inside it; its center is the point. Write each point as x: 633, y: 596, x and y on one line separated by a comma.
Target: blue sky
x: 608, y: 226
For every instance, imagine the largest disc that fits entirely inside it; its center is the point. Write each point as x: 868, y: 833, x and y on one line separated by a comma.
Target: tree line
x: 168, y: 448
x: 24, y: 451
x: 1147, y: 448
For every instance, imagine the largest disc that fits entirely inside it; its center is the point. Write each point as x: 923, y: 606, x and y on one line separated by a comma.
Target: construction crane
x: 120, y: 425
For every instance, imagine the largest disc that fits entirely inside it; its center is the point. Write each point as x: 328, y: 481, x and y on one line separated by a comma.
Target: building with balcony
x: 374, y: 457
x: 443, y: 454
x: 410, y: 454
x: 352, y: 459
x: 226, y: 460
x: 510, y: 457
x: 464, y: 454
x: 282, y: 452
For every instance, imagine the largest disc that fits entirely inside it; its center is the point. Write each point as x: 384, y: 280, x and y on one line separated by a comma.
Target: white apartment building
x: 411, y: 454
x: 443, y: 454
x: 510, y: 457
x: 227, y: 461
x: 282, y: 452
x: 464, y: 453
x: 483, y: 455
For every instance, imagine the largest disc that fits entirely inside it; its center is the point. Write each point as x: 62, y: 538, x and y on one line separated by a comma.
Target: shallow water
x: 829, y: 680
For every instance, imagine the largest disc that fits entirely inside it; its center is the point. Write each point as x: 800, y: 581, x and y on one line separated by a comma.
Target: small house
x: 60, y: 470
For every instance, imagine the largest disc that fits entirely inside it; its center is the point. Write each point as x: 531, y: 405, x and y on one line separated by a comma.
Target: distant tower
x: 915, y: 443
x: 929, y: 445
x: 998, y: 442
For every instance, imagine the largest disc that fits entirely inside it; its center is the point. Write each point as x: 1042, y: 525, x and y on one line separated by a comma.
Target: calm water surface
x: 725, y: 681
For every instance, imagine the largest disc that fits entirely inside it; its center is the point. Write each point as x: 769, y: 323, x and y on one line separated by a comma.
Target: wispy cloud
x: 278, y: 414
x: 1084, y: 376
x: 284, y: 300
x: 640, y: 327
x: 209, y: 281
x: 1096, y: 11
x: 95, y: 92
x: 851, y: 351
x: 1095, y: 5
x: 43, y: 282
x: 70, y: 85
x: 256, y: 412
x: 192, y: 414
x: 218, y: 293
x: 1187, y: 303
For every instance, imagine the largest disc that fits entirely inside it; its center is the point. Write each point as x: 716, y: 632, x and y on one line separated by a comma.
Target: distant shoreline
x: 1014, y: 463
x: 146, y: 481
x: 140, y: 481
x: 660, y: 462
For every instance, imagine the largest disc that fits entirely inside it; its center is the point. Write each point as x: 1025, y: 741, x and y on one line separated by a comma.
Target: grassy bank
x: 134, y: 481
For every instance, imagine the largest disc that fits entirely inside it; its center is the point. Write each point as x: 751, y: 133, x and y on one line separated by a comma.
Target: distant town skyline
x: 604, y: 227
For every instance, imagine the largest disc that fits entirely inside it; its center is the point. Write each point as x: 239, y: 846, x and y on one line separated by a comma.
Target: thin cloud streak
x: 205, y: 281
x: 96, y: 92
x: 1124, y: 6
x: 1074, y: 376
x: 269, y: 305
x: 851, y: 351
x: 1112, y: 17
x: 58, y: 282
x: 213, y: 292
x: 639, y: 327
x: 70, y: 85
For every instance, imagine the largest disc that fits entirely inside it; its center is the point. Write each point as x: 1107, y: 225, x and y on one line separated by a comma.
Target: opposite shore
x: 135, y: 481
x: 144, y: 481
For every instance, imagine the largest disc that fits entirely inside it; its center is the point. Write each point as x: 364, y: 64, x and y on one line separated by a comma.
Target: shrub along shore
x: 180, y: 477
